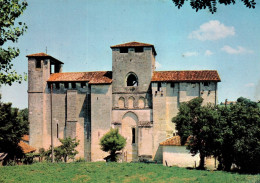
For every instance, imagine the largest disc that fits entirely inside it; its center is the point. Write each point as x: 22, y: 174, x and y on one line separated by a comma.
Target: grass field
x: 115, y: 172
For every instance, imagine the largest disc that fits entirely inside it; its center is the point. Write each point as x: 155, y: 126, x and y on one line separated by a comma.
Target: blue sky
x: 80, y: 33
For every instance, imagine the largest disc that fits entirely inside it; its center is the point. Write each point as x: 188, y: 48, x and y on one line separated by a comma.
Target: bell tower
x: 40, y: 67
x: 133, y: 66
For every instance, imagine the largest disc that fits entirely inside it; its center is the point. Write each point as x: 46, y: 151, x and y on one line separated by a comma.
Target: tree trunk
x: 113, y: 156
x: 202, y: 161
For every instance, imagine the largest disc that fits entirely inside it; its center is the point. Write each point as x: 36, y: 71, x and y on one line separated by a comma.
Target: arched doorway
x: 130, y: 132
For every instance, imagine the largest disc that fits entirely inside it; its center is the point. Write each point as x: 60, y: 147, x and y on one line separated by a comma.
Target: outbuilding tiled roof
x: 176, y: 76
x: 97, y: 77
x: 26, y: 148
x: 25, y: 138
x: 173, y: 141
x: 44, y: 55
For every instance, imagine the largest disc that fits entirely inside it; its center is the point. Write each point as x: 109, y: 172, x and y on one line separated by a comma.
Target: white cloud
x: 250, y: 85
x: 158, y: 65
x: 208, y: 53
x: 190, y: 54
x: 212, y: 30
x: 239, y: 50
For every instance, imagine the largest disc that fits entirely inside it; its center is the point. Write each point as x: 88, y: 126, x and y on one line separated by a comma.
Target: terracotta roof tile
x: 97, y: 77
x: 26, y: 148
x: 173, y: 141
x: 38, y: 55
x: 25, y: 138
x: 45, y: 56
x: 132, y: 44
x: 176, y: 76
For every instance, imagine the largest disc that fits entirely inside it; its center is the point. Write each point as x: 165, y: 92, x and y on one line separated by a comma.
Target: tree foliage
x: 240, y: 138
x: 12, y: 128
x: 23, y: 115
x: 65, y: 151
x: 10, y: 30
x: 197, y: 122
x: 211, y: 5
x: 112, y: 142
x: 230, y: 134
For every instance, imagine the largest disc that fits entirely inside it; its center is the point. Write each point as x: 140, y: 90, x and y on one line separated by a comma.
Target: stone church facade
x: 133, y: 97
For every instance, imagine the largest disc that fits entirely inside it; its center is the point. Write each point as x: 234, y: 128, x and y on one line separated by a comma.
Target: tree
x: 23, y: 115
x: 112, y: 142
x: 211, y: 5
x: 184, y: 118
x: 65, y: 151
x: 247, y: 102
x: 10, y: 30
x: 12, y: 129
x: 245, y: 126
x: 197, y: 122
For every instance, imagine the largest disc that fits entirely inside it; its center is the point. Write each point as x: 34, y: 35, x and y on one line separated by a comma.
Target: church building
x: 133, y: 97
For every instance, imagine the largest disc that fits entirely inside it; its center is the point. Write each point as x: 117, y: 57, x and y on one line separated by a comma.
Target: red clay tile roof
x: 26, y: 148
x: 44, y: 55
x: 97, y: 77
x: 131, y: 44
x: 134, y: 44
x: 173, y: 141
x: 25, y: 138
x: 176, y: 76
x: 105, y: 77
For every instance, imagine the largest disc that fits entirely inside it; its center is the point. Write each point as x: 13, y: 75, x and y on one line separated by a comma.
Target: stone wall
x: 101, y: 108
x: 166, y: 101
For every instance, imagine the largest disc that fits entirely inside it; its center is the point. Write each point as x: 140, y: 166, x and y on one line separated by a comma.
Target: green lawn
x: 115, y: 172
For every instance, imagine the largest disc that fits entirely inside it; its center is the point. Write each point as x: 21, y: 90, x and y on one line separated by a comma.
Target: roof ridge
x: 80, y: 72
x: 183, y: 70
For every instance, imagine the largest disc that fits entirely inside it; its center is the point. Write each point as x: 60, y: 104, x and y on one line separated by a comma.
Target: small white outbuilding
x: 174, y: 154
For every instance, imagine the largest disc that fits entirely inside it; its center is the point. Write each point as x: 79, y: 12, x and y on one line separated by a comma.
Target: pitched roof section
x: 131, y: 44
x: 173, y: 141
x: 25, y: 138
x: 26, y: 148
x: 97, y: 77
x: 134, y: 44
x: 178, y: 76
x: 44, y: 55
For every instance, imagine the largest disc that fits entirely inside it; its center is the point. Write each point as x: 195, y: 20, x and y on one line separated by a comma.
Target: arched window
x: 121, y: 103
x: 132, y: 80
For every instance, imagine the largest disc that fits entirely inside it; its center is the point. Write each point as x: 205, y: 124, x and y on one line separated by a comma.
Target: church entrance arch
x: 130, y: 132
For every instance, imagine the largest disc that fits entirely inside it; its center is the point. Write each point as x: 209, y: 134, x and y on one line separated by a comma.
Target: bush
x: 112, y: 142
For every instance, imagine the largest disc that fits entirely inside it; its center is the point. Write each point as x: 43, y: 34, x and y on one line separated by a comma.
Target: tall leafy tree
x: 211, y: 5
x: 112, y: 142
x: 197, y: 122
x: 245, y: 122
x: 10, y: 31
x: 12, y: 129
